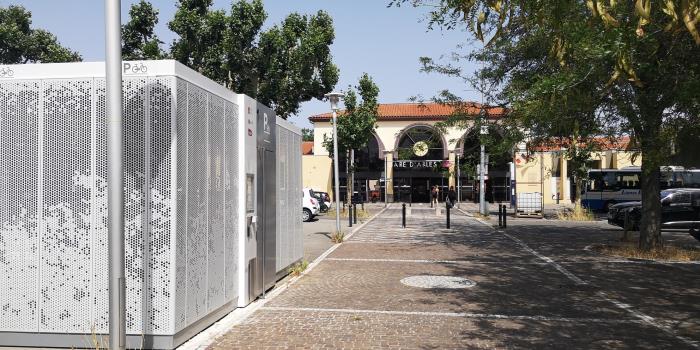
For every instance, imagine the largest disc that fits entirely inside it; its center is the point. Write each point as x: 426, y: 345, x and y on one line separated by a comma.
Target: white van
x: 310, y: 207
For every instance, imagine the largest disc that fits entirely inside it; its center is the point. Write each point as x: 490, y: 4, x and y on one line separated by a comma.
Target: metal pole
x: 447, y: 208
x: 350, y: 210
x: 500, y: 215
x: 386, y: 186
x: 482, y: 185
x: 335, y: 170
x: 459, y: 183
x: 354, y: 213
x: 115, y: 175
x: 351, y: 172
x: 403, y: 215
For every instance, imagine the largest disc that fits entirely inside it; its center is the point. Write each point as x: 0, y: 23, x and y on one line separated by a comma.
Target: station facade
x: 407, y: 155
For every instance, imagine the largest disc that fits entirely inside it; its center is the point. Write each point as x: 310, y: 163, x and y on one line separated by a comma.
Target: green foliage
x: 358, y: 121
x: 570, y: 71
x: 20, y: 43
x: 307, y: 134
x: 295, y: 62
x: 139, y: 41
x: 281, y: 67
x: 298, y: 268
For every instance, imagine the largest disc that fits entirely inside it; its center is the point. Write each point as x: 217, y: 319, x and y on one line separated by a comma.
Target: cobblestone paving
x: 522, y: 299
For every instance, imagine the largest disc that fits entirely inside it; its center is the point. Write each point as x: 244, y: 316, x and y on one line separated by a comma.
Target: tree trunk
x: 652, y: 158
x: 650, y: 225
x: 578, y: 183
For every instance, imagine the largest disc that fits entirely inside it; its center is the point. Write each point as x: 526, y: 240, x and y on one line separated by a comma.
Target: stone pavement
x: 536, y: 286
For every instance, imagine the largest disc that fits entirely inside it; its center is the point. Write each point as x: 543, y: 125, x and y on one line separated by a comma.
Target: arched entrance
x: 419, y: 163
x: 498, y: 177
x: 369, y: 165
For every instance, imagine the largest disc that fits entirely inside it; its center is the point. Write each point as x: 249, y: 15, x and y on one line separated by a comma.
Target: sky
x: 383, y: 42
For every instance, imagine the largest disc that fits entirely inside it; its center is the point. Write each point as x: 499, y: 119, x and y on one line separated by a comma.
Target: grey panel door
x: 270, y: 214
x: 265, y: 268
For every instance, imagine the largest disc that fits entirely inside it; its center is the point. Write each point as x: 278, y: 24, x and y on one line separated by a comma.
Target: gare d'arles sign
x: 421, y: 164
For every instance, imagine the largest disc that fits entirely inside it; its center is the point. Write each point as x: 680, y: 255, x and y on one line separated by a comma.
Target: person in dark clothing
x: 452, y: 196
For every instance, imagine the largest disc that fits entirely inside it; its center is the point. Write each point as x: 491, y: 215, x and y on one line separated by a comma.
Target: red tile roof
x: 603, y: 143
x: 307, y: 147
x: 421, y: 111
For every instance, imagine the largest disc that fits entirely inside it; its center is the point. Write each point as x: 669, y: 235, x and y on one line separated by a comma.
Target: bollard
x: 403, y: 215
x: 349, y: 215
x: 500, y: 216
x: 505, y: 212
x: 354, y: 213
x: 447, y: 206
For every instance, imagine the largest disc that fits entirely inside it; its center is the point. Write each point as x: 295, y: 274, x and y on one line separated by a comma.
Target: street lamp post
x: 115, y: 178
x: 334, y: 98
x: 482, y: 175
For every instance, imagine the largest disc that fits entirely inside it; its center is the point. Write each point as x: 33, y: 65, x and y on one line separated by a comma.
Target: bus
x: 606, y: 187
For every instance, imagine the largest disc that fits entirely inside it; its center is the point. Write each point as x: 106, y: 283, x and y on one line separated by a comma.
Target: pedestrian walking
x: 452, y: 196
x: 434, y: 193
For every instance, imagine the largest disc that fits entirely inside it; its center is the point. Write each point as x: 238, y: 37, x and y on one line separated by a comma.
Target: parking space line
x: 626, y: 307
x: 455, y: 314
x: 549, y: 261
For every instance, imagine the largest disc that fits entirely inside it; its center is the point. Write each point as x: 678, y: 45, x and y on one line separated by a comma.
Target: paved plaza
x: 535, y: 285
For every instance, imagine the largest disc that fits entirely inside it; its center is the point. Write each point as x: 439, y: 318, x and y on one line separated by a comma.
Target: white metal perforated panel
x: 197, y: 221
x: 217, y: 244
x: 100, y: 238
x: 19, y: 166
x: 158, y: 279
x: 181, y: 217
x: 231, y: 174
x: 135, y: 219
x: 66, y: 269
x: 289, y: 226
x: 295, y: 198
x: 181, y: 252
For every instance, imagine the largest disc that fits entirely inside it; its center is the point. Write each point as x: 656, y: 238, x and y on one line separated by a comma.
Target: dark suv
x: 680, y: 209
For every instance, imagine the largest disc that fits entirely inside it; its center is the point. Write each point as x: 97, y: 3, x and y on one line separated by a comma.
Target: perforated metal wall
x: 231, y: 174
x: 207, y: 203
x: 180, y: 205
x: 19, y: 186
x: 217, y: 224
x: 289, y: 226
x: 66, y: 222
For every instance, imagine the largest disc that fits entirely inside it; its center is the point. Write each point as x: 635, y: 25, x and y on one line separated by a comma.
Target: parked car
x: 680, y: 209
x: 324, y: 201
x: 310, y: 207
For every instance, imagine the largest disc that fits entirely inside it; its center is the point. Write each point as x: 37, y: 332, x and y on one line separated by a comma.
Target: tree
x: 282, y: 67
x: 139, y: 41
x: 20, y: 43
x: 295, y: 62
x: 356, y: 123
x: 608, y: 67
x: 307, y: 134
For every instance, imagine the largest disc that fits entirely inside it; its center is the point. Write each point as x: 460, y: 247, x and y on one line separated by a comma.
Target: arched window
x: 421, y: 143
x: 367, y: 159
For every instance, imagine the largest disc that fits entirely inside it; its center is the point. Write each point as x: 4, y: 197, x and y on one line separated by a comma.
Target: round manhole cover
x: 445, y: 282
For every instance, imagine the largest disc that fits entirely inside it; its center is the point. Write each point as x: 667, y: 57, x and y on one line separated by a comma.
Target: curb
x: 239, y: 315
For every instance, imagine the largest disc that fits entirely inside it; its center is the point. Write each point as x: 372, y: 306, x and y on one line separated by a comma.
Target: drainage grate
x: 438, y: 282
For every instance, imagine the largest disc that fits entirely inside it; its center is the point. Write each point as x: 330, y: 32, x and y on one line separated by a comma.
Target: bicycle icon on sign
x: 6, y: 72
x: 135, y: 68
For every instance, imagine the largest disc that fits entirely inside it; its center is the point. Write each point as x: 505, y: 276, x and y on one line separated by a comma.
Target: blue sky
x: 384, y: 42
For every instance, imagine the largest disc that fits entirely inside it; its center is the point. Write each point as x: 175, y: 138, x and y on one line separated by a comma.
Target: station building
x: 407, y: 155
